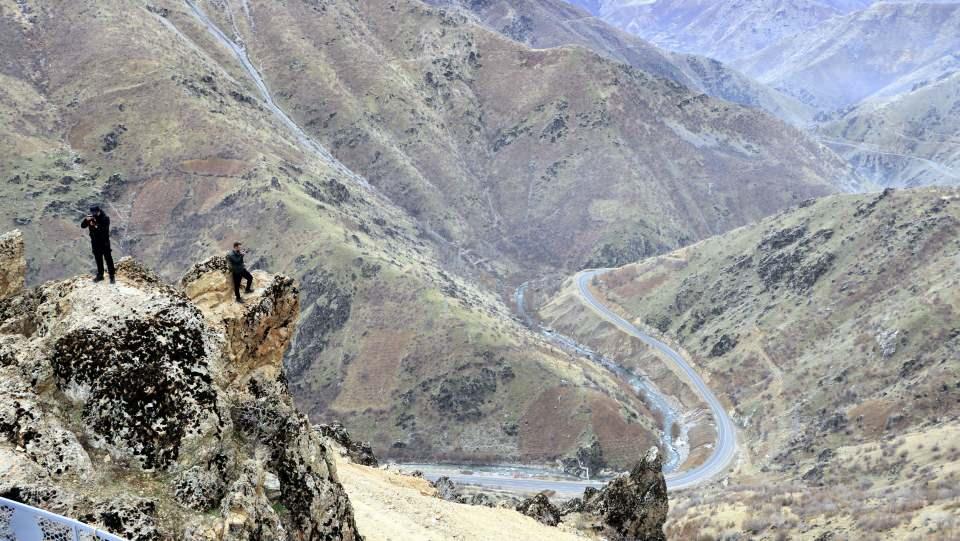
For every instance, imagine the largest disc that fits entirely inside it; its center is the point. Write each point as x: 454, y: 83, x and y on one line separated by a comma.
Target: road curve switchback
x: 725, y: 448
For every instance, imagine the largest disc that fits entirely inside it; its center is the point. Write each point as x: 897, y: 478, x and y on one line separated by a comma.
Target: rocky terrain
x: 403, y: 336
x: 162, y: 413
x: 553, y: 23
x: 139, y: 109
x: 396, y: 506
x: 528, y: 159
x: 830, y: 329
x: 908, y: 138
x: 158, y: 412
x: 853, y: 57
x: 726, y: 31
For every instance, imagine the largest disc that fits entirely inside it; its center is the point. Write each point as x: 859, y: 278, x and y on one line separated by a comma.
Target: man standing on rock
x: 98, y: 224
x: 239, y: 270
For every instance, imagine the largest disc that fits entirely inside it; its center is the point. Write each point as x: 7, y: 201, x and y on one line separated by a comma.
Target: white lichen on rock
x: 134, y: 407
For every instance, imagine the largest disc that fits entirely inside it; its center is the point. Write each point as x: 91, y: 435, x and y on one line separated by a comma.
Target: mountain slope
x: 553, y: 23
x: 523, y: 155
x: 161, y: 415
x: 832, y: 331
x: 143, y: 111
x: 726, y: 31
x: 850, y: 58
x: 910, y: 139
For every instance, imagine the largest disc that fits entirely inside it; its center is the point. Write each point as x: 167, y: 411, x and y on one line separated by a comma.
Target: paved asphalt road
x: 724, y: 450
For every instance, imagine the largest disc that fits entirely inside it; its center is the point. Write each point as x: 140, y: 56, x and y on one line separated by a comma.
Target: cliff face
x: 13, y: 266
x: 161, y: 413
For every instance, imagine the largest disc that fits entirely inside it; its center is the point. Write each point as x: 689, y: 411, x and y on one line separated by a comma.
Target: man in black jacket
x: 98, y: 224
x: 238, y: 269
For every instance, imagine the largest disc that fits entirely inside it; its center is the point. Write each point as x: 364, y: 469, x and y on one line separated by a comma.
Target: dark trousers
x: 100, y: 256
x: 237, y: 277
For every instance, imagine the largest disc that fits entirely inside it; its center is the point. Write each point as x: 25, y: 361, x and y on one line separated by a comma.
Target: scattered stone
x: 573, y: 505
x: 360, y: 452
x: 446, y: 489
x: 540, y: 509
x: 112, y: 139
x: 724, y: 345
x: 887, y: 341
x: 783, y: 238
x: 631, y: 506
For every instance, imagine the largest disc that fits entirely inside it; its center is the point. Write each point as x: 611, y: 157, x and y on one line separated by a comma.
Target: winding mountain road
x: 529, y: 480
x: 725, y: 448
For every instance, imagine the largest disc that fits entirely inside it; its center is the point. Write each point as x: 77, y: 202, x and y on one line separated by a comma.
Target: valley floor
x: 393, y: 507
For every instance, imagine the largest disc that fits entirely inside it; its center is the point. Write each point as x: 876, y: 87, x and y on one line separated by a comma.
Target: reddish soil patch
x: 154, y: 204
x: 215, y: 167
x: 872, y: 415
x: 550, y: 425
x: 701, y: 436
x: 638, y: 289
x: 623, y: 443
x: 372, y: 377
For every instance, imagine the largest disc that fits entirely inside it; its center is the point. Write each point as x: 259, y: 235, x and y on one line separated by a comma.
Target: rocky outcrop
x: 174, y: 395
x: 540, y: 509
x: 13, y: 264
x: 447, y: 489
x: 631, y: 506
x: 360, y: 452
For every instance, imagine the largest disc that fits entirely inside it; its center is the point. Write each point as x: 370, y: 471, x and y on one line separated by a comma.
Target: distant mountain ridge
x: 726, y: 31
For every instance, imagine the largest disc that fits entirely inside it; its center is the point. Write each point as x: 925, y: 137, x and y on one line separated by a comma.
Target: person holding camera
x: 98, y: 224
x: 239, y: 270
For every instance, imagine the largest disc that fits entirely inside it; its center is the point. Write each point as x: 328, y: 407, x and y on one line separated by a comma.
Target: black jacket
x: 99, y: 228
x: 235, y: 261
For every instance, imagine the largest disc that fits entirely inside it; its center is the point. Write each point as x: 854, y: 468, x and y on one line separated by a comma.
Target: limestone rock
x: 632, y: 506
x: 446, y: 489
x: 257, y: 333
x: 172, y: 395
x: 540, y: 509
x: 13, y: 263
x: 360, y: 452
x: 248, y: 514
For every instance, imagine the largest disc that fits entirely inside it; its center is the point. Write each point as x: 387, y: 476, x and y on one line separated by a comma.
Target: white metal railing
x: 19, y: 522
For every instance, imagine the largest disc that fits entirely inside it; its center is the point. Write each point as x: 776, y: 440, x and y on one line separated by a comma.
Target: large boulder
x: 359, y: 452
x: 631, y: 506
x: 13, y: 263
x: 169, y: 394
x: 540, y: 509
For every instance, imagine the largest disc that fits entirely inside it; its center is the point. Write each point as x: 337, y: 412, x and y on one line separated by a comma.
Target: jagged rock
x: 587, y: 462
x: 13, y: 263
x: 480, y: 499
x: 132, y: 518
x: 783, y: 237
x: 199, y: 488
x: 248, y: 513
x: 631, y: 506
x: 256, y: 332
x: 446, y: 489
x: 174, y: 395
x: 724, y: 345
x: 540, y: 509
x: 359, y: 452
x: 573, y: 505
x: 887, y: 342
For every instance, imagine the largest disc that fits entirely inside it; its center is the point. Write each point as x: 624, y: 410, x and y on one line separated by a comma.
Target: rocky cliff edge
x: 160, y: 412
